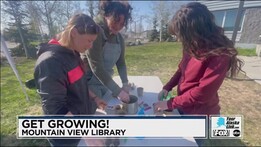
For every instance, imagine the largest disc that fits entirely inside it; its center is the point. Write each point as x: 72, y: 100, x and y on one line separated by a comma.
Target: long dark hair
x: 194, y: 25
x: 115, y: 9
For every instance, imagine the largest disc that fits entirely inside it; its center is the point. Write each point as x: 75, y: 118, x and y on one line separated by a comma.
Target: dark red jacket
x: 198, y: 82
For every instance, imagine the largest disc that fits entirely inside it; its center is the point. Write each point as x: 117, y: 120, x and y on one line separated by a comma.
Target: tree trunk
x: 49, y: 24
x: 22, y: 38
x: 160, y: 30
x: 18, y: 25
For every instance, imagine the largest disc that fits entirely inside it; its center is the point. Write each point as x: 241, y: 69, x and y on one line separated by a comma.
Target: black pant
x: 64, y: 142
x: 200, y: 142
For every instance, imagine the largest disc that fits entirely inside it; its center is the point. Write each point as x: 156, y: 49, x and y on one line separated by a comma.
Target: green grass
x: 13, y: 103
x: 246, y: 52
x: 35, y: 43
x: 160, y: 59
x: 153, y: 59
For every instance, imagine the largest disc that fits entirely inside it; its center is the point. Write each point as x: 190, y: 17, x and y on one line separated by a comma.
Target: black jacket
x: 61, y: 81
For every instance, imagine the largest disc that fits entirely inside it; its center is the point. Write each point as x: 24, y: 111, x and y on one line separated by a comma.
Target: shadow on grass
x: 224, y: 142
x: 11, y: 140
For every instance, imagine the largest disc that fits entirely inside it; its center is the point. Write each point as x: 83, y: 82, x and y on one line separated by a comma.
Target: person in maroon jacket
x: 208, y: 57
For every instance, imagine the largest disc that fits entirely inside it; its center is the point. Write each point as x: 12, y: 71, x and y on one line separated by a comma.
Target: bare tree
x: 134, y: 23
x: 35, y: 17
x: 77, y: 7
x: 162, y: 10
x: 91, y: 8
x: 175, y: 6
x: 165, y: 11
x: 47, y: 10
x: 62, y: 14
x: 4, y: 18
x: 53, y: 15
x: 68, y: 8
x: 16, y: 11
x: 154, y: 33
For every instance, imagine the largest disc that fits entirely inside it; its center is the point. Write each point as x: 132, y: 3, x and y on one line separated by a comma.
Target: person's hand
x: 160, y: 106
x: 69, y: 114
x: 126, y: 87
x: 124, y: 96
x: 101, y: 104
x: 94, y: 141
x: 162, y: 93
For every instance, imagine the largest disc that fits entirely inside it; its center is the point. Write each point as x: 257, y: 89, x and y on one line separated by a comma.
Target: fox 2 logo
x: 221, y: 132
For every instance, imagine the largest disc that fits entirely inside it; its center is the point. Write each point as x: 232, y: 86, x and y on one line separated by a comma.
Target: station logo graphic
x: 226, y: 127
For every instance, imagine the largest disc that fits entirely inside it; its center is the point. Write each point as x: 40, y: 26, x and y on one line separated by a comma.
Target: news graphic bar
x: 111, y: 126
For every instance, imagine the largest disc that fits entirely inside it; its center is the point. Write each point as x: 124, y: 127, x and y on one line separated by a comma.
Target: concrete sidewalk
x: 252, y: 67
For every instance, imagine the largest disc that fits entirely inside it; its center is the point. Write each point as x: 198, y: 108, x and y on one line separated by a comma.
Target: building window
x: 219, y: 15
x: 227, y: 18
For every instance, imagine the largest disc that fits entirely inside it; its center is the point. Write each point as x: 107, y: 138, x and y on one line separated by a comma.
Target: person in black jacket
x: 60, y: 74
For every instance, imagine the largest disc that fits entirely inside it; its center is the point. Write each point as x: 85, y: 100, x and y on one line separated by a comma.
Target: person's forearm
x: 123, y: 74
x: 173, y: 81
x: 121, y: 64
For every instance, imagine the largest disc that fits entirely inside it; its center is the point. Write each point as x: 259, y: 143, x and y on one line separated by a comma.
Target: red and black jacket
x: 61, y: 81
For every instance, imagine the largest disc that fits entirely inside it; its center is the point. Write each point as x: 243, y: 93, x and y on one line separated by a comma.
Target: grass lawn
x: 247, y: 52
x: 157, y: 59
x: 13, y: 103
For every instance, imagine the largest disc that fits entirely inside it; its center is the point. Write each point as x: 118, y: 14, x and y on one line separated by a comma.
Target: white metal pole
x: 11, y: 62
x: 238, y: 18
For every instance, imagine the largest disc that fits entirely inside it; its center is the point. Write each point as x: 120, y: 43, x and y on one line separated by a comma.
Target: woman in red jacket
x: 208, y: 57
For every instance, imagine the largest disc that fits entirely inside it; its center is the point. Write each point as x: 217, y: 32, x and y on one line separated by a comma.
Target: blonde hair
x: 84, y: 25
